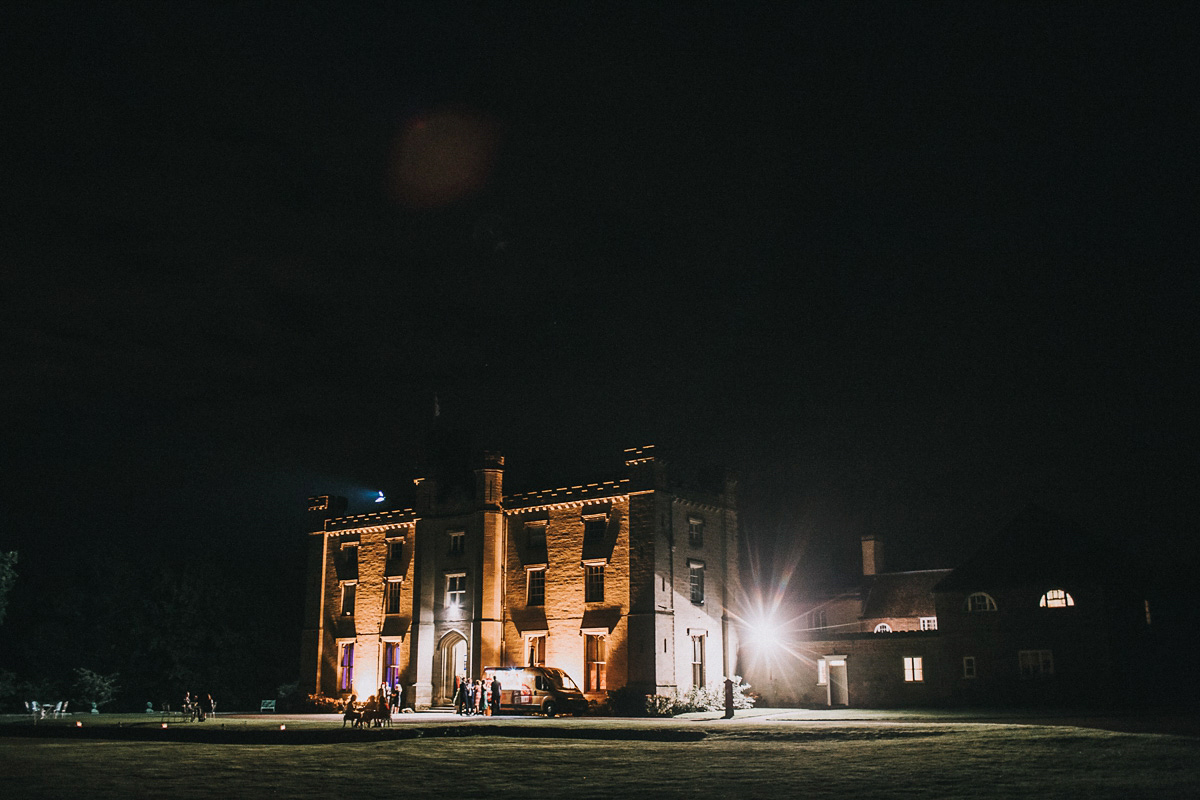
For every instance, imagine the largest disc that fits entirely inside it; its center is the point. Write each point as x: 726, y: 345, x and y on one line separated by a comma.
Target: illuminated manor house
x: 619, y: 583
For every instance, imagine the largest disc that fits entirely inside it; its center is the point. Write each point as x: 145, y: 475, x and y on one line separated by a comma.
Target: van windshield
x: 561, y: 678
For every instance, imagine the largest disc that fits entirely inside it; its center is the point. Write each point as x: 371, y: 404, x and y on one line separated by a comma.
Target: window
x: 348, y: 590
x: 456, y: 592
x: 593, y: 528
x: 817, y: 620
x: 695, y: 531
x: 980, y: 601
x: 350, y: 556
x: 593, y: 587
x: 822, y: 672
x: 535, y: 650
x: 391, y: 597
x: 535, y: 534
x: 883, y: 627
x: 1056, y: 598
x: 391, y: 663
x: 535, y: 589
x: 458, y: 542
x: 968, y: 666
x: 1036, y: 663
x: 696, y: 579
x: 929, y: 623
x: 698, y: 676
x: 594, y: 666
x: 346, y: 667
x: 914, y: 672
x: 395, y: 551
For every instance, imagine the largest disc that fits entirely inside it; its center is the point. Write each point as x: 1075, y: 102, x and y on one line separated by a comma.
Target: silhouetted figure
x: 495, y: 696
x: 460, y: 697
x: 351, y: 714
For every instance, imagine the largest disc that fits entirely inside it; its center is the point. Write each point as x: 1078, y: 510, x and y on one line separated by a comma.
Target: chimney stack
x: 872, y: 555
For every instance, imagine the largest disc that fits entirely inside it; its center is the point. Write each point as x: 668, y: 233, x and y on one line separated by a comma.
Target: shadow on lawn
x: 241, y: 735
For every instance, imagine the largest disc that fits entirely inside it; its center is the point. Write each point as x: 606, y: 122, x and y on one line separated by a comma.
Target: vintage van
x: 537, y: 690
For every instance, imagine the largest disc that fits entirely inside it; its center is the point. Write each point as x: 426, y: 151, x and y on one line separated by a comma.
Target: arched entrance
x: 453, y: 657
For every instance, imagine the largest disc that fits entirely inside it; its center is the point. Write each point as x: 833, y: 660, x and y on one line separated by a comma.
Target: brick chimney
x: 872, y: 555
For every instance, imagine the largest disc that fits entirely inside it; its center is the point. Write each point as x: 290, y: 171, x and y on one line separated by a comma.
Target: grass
x: 763, y: 756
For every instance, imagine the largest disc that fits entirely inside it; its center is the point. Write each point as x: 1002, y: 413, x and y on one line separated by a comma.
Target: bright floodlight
x: 763, y: 634
x: 381, y: 498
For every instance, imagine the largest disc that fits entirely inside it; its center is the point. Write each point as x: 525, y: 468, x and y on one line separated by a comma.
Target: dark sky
x: 905, y: 267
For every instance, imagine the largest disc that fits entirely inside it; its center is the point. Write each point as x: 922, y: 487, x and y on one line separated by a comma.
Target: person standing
x: 495, y: 695
x: 483, y: 699
x: 460, y: 696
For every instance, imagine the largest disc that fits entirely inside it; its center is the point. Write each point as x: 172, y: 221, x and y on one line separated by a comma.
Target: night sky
x: 905, y: 267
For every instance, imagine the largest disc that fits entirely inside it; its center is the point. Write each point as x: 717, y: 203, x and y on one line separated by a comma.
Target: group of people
x: 376, y: 710
x: 477, y: 697
x: 198, y: 708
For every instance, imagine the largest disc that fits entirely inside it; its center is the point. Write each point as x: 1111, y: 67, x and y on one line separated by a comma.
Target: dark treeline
x: 162, y: 624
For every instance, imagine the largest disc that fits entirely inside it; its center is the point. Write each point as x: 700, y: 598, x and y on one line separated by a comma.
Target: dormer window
x: 980, y: 601
x: 1056, y: 598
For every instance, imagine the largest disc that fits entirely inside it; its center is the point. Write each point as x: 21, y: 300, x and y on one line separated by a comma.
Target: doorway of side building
x: 453, y: 652
x: 838, y: 688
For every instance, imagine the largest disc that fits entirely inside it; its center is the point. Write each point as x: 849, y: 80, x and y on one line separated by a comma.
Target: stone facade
x: 619, y: 583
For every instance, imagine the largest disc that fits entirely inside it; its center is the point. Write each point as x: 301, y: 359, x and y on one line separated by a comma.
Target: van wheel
x: 549, y: 709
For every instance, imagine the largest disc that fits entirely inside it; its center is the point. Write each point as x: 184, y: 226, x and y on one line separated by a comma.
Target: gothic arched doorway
x: 453, y: 652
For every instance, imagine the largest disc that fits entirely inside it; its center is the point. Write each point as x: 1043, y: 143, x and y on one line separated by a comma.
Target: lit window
x: 968, y: 666
x: 1036, y: 663
x: 456, y: 592
x: 594, y: 663
x: 883, y: 627
x: 822, y: 672
x: 535, y: 649
x: 392, y: 597
x: 391, y: 664
x: 593, y: 528
x: 348, y: 591
x: 458, y: 542
x: 698, y: 676
x: 346, y: 666
x: 980, y: 601
x: 914, y: 672
x: 593, y: 587
x: 929, y: 623
x: 695, y: 531
x: 1056, y: 598
x: 817, y: 620
x: 696, y: 580
x: 535, y: 590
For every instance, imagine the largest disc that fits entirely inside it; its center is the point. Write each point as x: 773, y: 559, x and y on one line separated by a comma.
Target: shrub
x: 320, y: 704
x: 628, y: 702
x: 92, y: 688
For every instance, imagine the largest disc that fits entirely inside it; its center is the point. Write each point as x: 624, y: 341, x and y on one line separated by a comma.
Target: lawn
x: 763, y: 756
